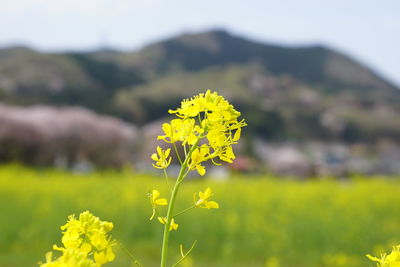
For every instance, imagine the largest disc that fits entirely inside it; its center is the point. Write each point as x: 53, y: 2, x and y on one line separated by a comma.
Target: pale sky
x: 366, y: 29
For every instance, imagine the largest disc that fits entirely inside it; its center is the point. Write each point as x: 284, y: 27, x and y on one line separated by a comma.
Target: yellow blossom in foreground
x: 70, y: 258
x: 162, y: 161
x: 83, y: 238
x: 156, y: 201
x: 104, y: 256
x: 203, y: 201
x: 173, y: 226
x: 391, y: 260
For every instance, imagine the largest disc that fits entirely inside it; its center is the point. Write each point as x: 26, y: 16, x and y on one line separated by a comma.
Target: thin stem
x: 199, y: 117
x: 158, y: 214
x: 181, y: 176
x: 185, y: 255
x: 177, y: 153
x: 185, y: 210
x: 174, y: 192
x: 184, y: 150
x: 130, y: 255
x: 166, y: 178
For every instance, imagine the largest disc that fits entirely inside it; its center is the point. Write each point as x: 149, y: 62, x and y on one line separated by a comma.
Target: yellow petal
x: 200, y: 169
x: 162, y: 220
x: 173, y: 226
x: 236, y: 137
x: 212, y: 205
x: 207, y: 193
x: 161, y: 202
x: 155, y: 194
x: 372, y: 258
x: 167, y: 129
x: 226, y: 115
x: 191, y: 139
x: 100, y: 258
x: 86, y: 248
x: 392, y: 256
x: 49, y: 256
x: 157, y: 167
x: 110, y: 255
x: 166, y: 154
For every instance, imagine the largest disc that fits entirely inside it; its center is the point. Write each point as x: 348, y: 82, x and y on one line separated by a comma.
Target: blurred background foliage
x: 261, y: 221
x: 297, y: 97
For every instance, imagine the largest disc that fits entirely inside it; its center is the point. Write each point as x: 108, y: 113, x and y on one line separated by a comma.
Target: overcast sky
x: 366, y: 29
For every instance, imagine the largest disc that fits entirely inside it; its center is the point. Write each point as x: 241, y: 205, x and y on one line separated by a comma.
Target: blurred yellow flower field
x: 263, y: 221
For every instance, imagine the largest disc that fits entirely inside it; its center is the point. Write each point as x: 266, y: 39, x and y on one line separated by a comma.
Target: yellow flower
x: 203, y: 201
x: 198, y: 156
x: 70, y: 258
x: 227, y: 154
x: 173, y: 225
x: 156, y: 201
x: 104, y: 257
x: 162, y: 161
x: 207, y: 116
x: 391, y: 260
x: 80, y: 237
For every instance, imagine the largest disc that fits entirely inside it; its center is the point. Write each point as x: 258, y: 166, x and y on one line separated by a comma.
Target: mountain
x: 298, y: 93
x: 31, y: 77
x: 195, y: 52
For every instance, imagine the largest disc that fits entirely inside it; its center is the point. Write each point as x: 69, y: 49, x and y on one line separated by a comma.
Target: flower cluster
x: 391, y: 260
x: 69, y: 258
x: 85, y: 243
x: 206, y: 116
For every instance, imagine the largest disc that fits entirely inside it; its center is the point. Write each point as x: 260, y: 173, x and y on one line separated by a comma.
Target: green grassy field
x: 261, y: 222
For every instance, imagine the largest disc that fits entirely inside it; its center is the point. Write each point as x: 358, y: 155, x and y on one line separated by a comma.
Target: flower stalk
x: 174, y: 193
x: 207, y: 117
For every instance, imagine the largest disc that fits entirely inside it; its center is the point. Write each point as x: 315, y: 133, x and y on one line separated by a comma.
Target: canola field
x: 262, y: 221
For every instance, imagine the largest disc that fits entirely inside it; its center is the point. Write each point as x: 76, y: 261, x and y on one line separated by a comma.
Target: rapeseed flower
x: 205, y: 116
x: 69, y: 258
x: 172, y: 226
x: 203, y: 201
x: 82, y: 237
x: 156, y: 201
x: 162, y: 160
x: 198, y: 156
x: 391, y: 260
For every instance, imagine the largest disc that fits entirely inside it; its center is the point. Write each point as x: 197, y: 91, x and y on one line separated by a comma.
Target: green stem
x: 130, y: 255
x: 181, y: 176
x: 185, y: 210
x: 185, y: 255
x: 177, y: 153
x: 167, y: 179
